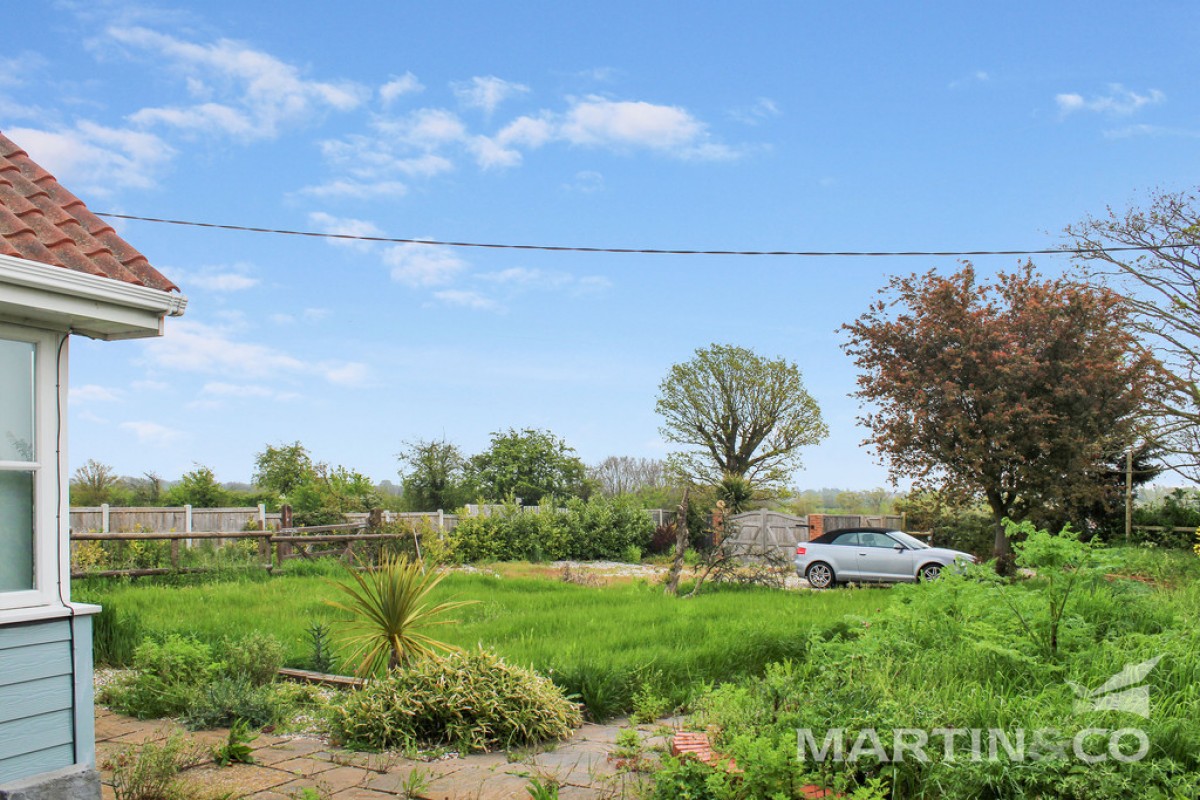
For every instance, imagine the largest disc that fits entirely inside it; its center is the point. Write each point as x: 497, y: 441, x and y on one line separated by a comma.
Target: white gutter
x: 103, y: 308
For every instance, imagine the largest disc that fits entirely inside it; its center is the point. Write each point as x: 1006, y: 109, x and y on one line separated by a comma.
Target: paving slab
x: 286, y: 766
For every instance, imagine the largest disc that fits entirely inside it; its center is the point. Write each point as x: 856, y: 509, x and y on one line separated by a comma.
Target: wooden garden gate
x: 760, y: 532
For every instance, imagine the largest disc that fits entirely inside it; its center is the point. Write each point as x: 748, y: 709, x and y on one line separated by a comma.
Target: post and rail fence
x: 278, y: 539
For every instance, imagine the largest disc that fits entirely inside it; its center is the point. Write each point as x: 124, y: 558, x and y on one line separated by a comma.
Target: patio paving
x: 285, y: 766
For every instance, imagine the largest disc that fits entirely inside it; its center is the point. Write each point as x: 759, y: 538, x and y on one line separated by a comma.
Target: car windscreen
x: 908, y: 541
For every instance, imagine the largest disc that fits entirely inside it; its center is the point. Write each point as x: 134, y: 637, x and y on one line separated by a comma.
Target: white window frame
x: 45, y: 469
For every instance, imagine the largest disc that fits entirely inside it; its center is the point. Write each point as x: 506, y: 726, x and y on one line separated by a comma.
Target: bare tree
x: 1161, y: 281
x: 92, y: 483
x: 618, y: 475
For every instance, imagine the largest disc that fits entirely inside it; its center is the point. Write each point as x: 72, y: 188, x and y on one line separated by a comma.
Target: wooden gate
x: 760, y: 532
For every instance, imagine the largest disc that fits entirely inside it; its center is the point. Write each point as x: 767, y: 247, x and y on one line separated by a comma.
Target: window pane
x: 16, y: 401
x: 16, y: 531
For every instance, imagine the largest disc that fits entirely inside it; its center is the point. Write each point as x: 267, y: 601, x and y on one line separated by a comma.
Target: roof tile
x: 41, y: 221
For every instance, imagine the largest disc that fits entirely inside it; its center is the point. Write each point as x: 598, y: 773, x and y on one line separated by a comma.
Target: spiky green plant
x: 390, y: 605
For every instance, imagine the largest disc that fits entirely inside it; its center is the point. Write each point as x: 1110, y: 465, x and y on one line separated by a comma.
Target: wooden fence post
x: 104, y: 518
x: 187, y: 522
x: 283, y: 549
x: 264, y: 544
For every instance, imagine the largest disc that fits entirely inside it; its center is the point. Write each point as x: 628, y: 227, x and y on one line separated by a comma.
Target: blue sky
x: 757, y: 125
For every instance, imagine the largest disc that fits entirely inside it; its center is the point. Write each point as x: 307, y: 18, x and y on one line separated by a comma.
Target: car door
x: 881, y: 558
x: 842, y: 554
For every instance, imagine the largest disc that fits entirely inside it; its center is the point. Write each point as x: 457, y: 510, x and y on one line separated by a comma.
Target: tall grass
x: 953, y: 655
x: 599, y: 643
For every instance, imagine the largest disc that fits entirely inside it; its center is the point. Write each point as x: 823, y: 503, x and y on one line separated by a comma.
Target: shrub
x: 472, y: 700
x: 224, y: 701
x: 256, y: 657
x: 599, y: 528
x: 166, y: 680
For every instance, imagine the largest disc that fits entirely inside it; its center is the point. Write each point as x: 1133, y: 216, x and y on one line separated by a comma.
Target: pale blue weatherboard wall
x: 37, y: 720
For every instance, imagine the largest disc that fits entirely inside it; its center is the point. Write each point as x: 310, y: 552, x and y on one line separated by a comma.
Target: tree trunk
x: 1001, y: 547
x: 681, y: 540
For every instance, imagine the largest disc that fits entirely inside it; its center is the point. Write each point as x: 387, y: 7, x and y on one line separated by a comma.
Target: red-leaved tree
x: 1018, y: 390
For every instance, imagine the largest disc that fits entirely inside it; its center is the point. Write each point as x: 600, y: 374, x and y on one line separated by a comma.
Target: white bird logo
x: 1118, y: 693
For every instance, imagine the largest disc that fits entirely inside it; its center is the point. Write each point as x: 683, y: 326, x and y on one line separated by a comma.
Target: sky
x: 675, y: 125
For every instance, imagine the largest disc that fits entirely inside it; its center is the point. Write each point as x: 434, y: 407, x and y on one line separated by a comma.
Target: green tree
x: 529, y: 464
x: 281, y: 469
x: 1013, y: 391
x: 93, y: 484
x: 327, y: 495
x: 198, y: 488
x: 436, y: 476
x: 739, y: 414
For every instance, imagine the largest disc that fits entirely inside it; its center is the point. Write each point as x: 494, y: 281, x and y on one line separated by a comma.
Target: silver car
x: 876, y: 555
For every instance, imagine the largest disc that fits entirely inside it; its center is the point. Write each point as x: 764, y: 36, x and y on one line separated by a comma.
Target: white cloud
x: 217, y: 280
x: 490, y: 154
x: 1118, y: 102
x: 357, y: 190
x: 603, y: 122
x: 422, y: 142
x: 527, y: 131
x: 260, y: 93
x: 467, y: 299
x: 398, y: 87
x: 487, y: 92
x: 521, y: 278
x: 347, y: 374
x: 423, y: 264
x: 92, y: 393
x: 345, y: 226
x: 190, y: 346
x: 96, y: 158
x: 152, y: 433
x: 587, y: 182
x: 764, y: 108
x: 248, y: 390
x: 430, y: 128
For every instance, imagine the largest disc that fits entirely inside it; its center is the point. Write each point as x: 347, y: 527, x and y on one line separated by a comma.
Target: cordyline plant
x: 390, y: 604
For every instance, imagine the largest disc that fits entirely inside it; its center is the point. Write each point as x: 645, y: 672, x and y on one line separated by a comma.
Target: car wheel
x: 929, y: 572
x: 820, y: 576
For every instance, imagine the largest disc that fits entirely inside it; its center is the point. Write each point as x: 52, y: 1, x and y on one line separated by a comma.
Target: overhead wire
x: 642, y: 250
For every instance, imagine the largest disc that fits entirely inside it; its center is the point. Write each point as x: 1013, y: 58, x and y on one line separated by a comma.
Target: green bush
x: 586, y: 530
x: 225, y: 700
x: 167, y: 678
x: 473, y: 701
x: 256, y: 657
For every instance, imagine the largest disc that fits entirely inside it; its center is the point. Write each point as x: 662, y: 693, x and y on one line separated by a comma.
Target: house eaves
x: 54, y: 298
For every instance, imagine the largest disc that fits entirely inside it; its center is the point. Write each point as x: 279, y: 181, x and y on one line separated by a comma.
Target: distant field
x: 610, y: 640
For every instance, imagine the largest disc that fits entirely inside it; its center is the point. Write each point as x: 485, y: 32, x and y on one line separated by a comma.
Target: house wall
x: 37, y: 704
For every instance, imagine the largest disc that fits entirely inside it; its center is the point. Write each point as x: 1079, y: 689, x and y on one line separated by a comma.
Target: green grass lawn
x: 601, y: 643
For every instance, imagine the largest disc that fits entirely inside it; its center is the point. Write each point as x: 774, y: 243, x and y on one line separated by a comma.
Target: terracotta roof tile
x: 41, y: 221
